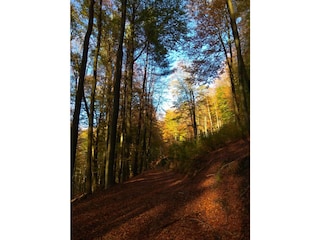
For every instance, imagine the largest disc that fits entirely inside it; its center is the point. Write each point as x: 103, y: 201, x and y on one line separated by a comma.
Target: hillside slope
x: 212, y: 204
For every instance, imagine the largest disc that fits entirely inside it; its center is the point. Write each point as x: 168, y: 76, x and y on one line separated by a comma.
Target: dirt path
x: 160, y: 204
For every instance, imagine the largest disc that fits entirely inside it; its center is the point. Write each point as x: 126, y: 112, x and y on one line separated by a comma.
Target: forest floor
x: 213, y: 203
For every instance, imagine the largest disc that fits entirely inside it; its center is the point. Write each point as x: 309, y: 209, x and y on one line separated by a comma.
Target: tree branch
x: 86, y: 104
x: 140, y: 53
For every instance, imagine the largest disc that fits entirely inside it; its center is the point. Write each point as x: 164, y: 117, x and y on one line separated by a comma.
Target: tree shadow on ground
x: 145, y: 207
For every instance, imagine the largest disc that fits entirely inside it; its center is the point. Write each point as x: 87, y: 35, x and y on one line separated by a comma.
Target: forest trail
x: 158, y: 204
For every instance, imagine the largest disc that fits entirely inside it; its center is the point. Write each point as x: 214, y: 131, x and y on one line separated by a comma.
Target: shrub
x: 184, y: 154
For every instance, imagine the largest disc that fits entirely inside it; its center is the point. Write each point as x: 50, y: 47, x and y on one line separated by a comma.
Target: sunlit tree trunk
x: 205, y: 126
x: 218, y: 122
x: 107, y: 109
x: 209, y: 114
x: 123, y: 134
x: 80, y: 90
x: 193, y: 115
x: 124, y: 141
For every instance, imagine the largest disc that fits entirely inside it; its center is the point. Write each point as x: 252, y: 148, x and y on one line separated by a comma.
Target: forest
x: 159, y: 86
x: 119, y: 56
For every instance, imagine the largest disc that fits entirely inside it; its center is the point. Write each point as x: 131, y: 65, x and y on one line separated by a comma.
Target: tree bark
x: 131, y: 51
x: 90, y: 161
x: 113, y: 133
x: 193, y: 115
x: 150, y: 130
x: 107, y: 108
x: 80, y: 90
x: 209, y: 114
x: 127, y: 98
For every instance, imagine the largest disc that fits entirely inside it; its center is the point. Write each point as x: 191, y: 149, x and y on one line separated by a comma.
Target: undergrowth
x: 183, y: 155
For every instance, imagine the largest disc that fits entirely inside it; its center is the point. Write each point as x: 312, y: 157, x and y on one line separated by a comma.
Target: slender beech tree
x: 80, y: 89
x: 192, y: 109
x: 128, y: 90
x: 91, y: 163
x: 116, y: 93
x: 106, y: 108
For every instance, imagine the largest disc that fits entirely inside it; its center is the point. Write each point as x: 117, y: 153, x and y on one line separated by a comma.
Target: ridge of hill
x: 214, y: 203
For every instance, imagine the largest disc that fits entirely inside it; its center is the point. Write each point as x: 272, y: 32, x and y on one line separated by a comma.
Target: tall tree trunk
x: 123, y: 135
x: 144, y: 148
x: 209, y: 114
x: 244, y: 84
x: 127, y: 98
x: 97, y: 149
x: 205, y: 126
x: 150, y: 131
x: 137, y: 150
x: 193, y: 115
x: 128, y: 119
x: 116, y: 92
x: 123, y: 138
x: 107, y: 102
x: 90, y: 161
x: 217, y: 116
x: 80, y: 91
